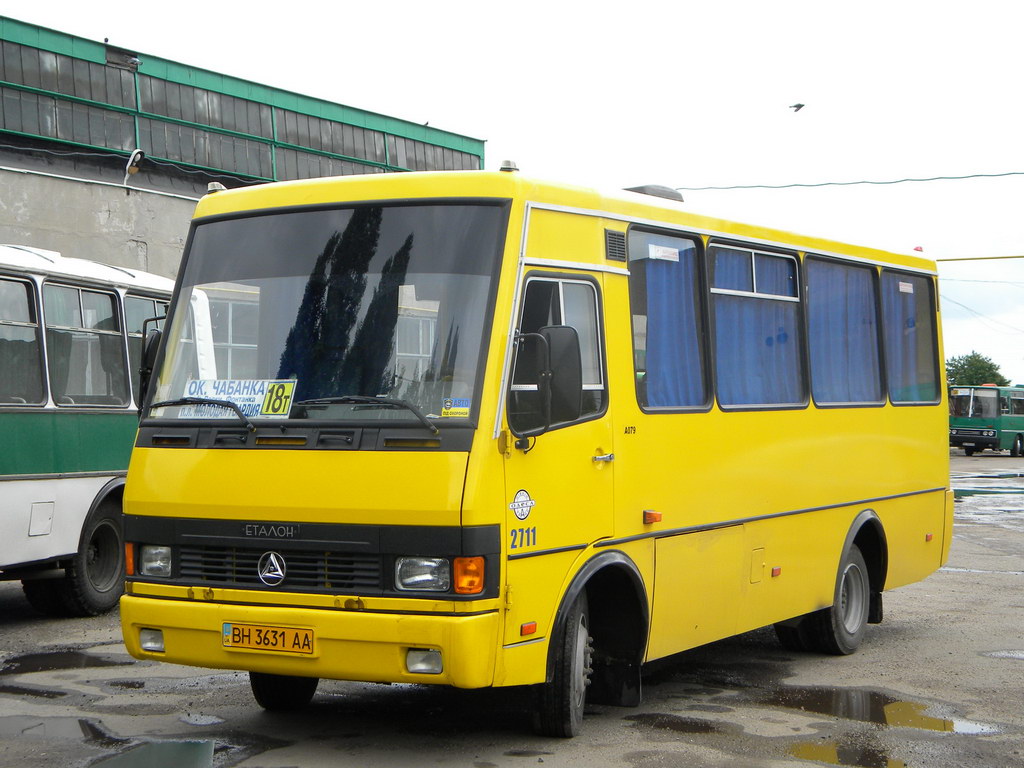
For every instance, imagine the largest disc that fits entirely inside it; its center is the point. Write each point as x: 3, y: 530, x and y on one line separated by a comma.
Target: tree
x: 974, y: 369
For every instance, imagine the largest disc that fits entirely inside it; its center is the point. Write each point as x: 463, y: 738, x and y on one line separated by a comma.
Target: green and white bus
x: 71, y: 337
x: 987, y: 417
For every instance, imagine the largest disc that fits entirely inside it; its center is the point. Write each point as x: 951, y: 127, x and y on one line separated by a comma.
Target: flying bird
x: 796, y: 107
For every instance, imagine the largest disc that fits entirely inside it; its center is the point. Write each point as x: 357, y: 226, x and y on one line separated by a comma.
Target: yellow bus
x: 475, y: 429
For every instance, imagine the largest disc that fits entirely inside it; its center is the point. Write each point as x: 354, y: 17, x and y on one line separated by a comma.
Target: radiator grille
x: 306, y: 570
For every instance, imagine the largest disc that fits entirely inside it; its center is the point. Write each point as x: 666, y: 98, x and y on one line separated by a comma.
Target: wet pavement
x: 937, y: 685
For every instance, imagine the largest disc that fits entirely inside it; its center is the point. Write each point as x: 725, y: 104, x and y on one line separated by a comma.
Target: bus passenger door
x: 558, y: 483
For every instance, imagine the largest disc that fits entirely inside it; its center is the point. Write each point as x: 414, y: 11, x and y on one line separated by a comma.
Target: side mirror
x: 566, y: 382
x: 547, y: 381
x: 149, y: 352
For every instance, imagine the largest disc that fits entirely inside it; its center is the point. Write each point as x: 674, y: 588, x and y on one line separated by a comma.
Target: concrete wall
x: 94, y: 220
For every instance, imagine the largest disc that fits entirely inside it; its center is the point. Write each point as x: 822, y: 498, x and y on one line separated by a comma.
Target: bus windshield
x: 965, y: 402
x: 364, y: 313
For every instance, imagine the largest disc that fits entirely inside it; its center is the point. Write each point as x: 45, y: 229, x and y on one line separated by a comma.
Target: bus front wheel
x: 1017, y: 449
x: 282, y: 693
x: 560, y: 710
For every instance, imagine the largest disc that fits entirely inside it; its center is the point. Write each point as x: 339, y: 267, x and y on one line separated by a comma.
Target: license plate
x: 969, y: 444
x: 260, y: 637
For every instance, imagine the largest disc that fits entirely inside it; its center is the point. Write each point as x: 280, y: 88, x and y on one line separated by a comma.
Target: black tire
x: 282, y: 693
x: 968, y: 451
x: 95, y: 578
x: 1017, y: 449
x: 562, y: 700
x: 840, y: 629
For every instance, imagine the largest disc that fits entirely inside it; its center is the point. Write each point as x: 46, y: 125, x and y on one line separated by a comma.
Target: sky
x: 682, y: 93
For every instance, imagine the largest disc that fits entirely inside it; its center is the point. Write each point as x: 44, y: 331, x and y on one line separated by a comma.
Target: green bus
x: 987, y: 417
x: 71, y: 336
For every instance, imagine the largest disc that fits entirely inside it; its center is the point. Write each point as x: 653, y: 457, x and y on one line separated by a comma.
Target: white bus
x: 71, y: 337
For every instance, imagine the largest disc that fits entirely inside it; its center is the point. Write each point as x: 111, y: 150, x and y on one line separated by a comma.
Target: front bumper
x: 980, y: 442
x: 348, y: 645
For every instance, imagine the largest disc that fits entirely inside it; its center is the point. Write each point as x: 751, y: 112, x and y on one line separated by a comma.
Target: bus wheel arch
x: 610, y: 590
x: 94, y: 575
x: 868, y: 535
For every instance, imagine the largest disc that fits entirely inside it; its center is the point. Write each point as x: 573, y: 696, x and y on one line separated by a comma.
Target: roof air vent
x: 658, y: 191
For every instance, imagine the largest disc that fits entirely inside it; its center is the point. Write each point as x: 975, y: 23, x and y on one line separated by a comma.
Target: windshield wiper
x: 374, y: 400
x: 207, y: 401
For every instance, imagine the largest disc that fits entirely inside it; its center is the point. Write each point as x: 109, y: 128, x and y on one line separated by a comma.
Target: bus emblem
x: 271, y: 569
x: 522, y: 504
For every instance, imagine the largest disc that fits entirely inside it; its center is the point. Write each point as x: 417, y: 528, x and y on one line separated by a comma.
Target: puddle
x: 676, y: 723
x: 869, y: 707
x: 76, y: 728
x: 40, y: 693
x: 844, y: 754
x: 180, y: 754
x: 57, y: 660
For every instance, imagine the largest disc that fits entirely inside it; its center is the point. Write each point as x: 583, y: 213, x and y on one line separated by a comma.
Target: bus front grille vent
x: 304, y: 569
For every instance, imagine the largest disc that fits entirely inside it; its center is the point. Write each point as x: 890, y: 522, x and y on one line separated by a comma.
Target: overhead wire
x: 984, y: 318
x: 852, y: 183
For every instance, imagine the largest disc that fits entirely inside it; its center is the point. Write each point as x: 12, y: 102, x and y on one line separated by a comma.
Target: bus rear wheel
x: 837, y: 630
x: 840, y: 629
x: 560, y: 710
x: 282, y: 693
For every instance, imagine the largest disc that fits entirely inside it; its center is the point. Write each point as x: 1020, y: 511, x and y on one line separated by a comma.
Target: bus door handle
x: 605, y: 457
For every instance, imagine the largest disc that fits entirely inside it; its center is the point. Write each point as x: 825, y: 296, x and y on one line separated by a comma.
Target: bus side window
x: 84, y: 347
x: 138, y: 309
x: 666, y: 303
x: 551, y: 303
x: 911, y: 355
x: 21, y: 358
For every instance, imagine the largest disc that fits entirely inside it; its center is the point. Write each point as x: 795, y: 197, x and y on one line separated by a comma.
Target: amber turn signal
x: 650, y: 516
x: 469, y: 575
x: 129, y: 558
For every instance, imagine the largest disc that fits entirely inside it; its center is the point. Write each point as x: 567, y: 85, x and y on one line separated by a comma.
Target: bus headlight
x: 423, y: 574
x: 155, y: 561
x: 952, y: 431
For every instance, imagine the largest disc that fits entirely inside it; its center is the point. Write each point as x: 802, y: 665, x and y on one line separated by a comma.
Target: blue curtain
x: 757, y: 347
x: 732, y: 269
x: 843, y: 333
x: 675, y: 371
x: 775, y: 275
x: 909, y: 350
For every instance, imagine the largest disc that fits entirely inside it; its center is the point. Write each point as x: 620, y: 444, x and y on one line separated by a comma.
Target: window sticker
x: 906, y: 287
x: 457, y: 407
x: 662, y: 252
x: 263, y: 398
